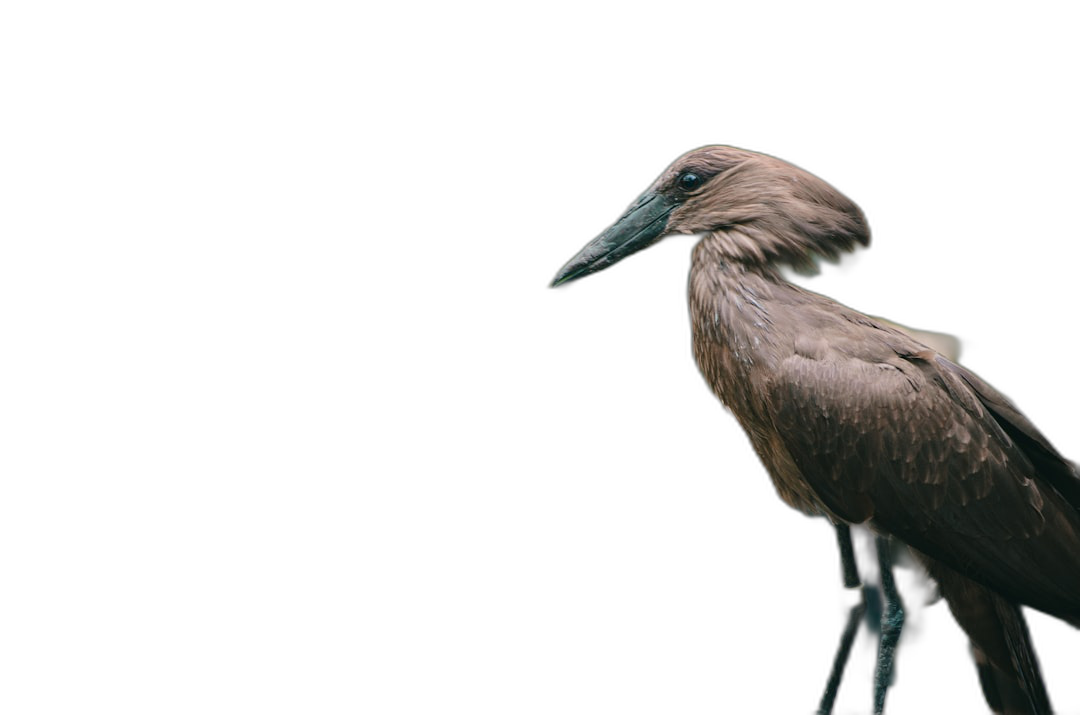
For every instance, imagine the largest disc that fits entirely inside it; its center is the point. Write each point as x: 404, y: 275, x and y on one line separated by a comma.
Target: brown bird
x: 858, y: 421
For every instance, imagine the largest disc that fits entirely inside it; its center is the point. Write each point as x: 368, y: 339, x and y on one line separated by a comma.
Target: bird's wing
x: 1049, y: 465
x: 930, y: 454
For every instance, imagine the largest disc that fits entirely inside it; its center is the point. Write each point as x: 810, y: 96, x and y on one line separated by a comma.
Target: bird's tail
x: 1000, y: 642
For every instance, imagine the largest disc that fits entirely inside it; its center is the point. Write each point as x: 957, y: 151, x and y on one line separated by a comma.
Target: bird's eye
x: 688, y: 181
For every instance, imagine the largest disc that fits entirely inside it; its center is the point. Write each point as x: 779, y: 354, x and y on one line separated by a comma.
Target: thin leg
x: 855, y: 616
x: 892, y: 622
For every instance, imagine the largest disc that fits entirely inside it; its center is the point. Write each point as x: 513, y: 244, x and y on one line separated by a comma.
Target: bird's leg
x: 892, y: 622
x: 851, y: 580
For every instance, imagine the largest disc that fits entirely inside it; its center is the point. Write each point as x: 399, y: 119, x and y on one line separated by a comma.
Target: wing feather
x: 927, y: 452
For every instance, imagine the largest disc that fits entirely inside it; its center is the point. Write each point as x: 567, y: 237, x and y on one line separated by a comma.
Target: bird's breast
x: 739, y: 337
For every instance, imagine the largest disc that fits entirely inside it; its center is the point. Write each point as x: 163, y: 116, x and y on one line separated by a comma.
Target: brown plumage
x: 857, y: 421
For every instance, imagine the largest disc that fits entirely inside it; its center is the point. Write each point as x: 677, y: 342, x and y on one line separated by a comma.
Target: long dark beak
x: 640, y: 227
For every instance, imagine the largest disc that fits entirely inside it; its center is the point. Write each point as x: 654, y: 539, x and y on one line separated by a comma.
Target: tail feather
x: 1008, y: 668
x: 1018, y: 690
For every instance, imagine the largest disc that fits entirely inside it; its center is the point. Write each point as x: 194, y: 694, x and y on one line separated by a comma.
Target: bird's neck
x: 738, y: 293
x: 736, y: 312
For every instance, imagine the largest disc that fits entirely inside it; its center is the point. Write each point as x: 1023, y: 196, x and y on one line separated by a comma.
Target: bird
x: 859, y: 421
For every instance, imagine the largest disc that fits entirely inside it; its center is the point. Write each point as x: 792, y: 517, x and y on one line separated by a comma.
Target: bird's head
x: 760, y: 210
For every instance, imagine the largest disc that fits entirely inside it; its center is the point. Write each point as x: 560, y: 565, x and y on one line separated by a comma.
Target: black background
x: 610, y: 540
